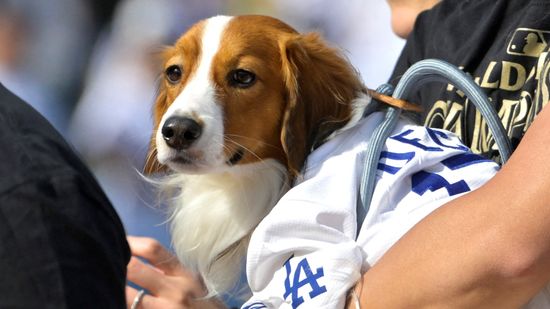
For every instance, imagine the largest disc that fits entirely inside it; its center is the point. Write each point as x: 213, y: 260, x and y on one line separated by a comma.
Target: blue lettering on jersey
x: 425, y: 181
x: 436, y: 135
x: 402, y: 137
x: 256, y: 305
x: 463, y: 160
x: 310, y: 279
x: 407, y: 156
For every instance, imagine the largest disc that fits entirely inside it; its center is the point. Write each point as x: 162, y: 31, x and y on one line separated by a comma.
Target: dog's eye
x: 173, y: 73
x: 241, y: 78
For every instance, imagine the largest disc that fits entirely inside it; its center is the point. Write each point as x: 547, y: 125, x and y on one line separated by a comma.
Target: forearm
x: 489, y: 248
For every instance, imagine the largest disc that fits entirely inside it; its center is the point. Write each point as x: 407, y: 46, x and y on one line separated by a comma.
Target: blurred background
x: 89, y: 67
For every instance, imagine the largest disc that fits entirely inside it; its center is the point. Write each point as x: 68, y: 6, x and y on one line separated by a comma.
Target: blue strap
x: 417, y: 75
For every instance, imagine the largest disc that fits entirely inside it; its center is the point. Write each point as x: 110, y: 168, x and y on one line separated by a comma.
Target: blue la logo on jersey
x: 302, y: 277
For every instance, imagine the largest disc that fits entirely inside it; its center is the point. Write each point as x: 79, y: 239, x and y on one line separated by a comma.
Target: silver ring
x: 137, y: 299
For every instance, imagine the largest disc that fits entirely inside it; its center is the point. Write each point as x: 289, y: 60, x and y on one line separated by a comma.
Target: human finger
x: 145, y: 276
x: 154, y: 252
x: 159, y: 284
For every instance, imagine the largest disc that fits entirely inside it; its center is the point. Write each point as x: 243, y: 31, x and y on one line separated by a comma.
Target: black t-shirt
x: 61, y: 243
x: 503, y: 44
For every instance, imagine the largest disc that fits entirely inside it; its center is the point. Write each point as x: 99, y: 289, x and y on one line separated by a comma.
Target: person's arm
x: 487, y: 249
x: 62, y: 244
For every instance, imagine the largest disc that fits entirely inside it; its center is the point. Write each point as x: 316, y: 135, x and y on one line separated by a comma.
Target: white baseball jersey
x: 307, y: 253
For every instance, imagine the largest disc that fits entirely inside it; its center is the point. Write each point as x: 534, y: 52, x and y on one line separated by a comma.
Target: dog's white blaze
x: 197, y: 100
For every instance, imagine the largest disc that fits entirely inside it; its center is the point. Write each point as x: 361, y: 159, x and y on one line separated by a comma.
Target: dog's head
x: 237, y: 90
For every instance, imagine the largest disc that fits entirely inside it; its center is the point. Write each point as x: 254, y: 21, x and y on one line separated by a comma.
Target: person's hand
x: 168, y: 283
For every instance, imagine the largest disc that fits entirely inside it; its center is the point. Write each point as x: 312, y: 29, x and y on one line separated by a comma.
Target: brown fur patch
x: 253, y: 115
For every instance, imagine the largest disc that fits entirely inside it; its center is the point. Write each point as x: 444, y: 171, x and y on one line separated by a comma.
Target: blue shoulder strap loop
x: 430, y: 70
x: 420, y: 73
x: 372, y: 155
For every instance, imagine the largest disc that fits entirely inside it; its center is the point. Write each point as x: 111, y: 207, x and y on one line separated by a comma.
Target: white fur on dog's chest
x: 215, y: 211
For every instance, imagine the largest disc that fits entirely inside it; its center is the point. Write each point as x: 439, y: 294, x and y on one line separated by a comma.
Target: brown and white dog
x: 242, y: 102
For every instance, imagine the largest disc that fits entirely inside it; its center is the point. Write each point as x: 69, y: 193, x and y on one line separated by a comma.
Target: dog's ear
x: 321, y: 85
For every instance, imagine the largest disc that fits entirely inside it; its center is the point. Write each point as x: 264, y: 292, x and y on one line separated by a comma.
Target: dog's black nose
x: 180, y: 132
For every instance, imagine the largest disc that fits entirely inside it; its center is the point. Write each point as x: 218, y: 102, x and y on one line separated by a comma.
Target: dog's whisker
x: 282, y: 176
x: 150, y: 160
x: 263, y: 163
x: 244, y: 148
x: 256, y: 140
